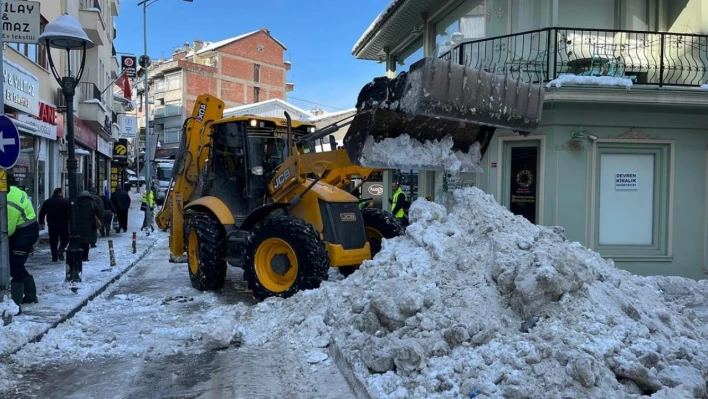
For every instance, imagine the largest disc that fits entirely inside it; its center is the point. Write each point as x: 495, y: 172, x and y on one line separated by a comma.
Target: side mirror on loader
x: 332, y: 143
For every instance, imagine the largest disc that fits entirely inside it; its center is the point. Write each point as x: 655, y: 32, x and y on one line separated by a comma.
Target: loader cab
x: 246, y: 151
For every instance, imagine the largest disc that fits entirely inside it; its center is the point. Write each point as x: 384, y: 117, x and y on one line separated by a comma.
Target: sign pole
x: 4, y: 238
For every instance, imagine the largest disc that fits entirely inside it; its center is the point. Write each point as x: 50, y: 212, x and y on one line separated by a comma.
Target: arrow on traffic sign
x: 4, y: 142
x: 9, y: 143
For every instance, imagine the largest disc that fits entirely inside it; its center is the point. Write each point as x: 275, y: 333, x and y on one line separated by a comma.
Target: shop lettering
x: 18, y: 82
x: 17, y: 99
x: 47, y: 114
x: 18, y: 8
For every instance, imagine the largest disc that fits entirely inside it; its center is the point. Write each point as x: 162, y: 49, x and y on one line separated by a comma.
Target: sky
x: 319, y: 36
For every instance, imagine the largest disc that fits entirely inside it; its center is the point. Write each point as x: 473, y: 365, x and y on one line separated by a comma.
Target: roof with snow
x: 211, y: 46
x: 399, y: 27
x: 270, y: 108
x: 333, y: 115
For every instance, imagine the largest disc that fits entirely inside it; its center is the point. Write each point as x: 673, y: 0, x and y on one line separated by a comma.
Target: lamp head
x: 66, y: 34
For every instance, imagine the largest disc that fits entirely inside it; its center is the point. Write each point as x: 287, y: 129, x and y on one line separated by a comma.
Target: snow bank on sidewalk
x: 480, y: 300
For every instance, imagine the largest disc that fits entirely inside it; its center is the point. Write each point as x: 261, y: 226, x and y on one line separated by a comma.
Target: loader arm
x: 193, y: 152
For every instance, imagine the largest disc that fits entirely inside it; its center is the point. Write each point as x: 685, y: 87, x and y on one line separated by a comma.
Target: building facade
x: 245, y: 69
x: 34, y: 101
x: 619, y: 163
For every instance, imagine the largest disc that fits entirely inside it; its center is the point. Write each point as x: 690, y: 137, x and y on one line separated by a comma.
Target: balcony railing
x: 648, y: 58
x: 166, y: 111
x: 89, y: 91
x: 89, y: 4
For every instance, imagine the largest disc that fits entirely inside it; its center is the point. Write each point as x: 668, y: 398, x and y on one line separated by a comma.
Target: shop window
x: 36, y: 53
x: 632, y: 200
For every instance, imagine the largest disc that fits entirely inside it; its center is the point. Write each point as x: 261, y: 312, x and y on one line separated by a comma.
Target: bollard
x: 111, y: 253
x: 135, y: 242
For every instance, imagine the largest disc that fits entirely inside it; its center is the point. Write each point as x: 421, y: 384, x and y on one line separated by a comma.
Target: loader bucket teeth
x: 438, y: 100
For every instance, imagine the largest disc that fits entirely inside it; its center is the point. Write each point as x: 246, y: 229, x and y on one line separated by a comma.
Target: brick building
x: 240, y: 70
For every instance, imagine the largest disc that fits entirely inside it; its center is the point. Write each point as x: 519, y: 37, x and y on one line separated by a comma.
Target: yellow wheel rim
x: 192, y: 252
x: 276, y: 265
x: 374, y: 234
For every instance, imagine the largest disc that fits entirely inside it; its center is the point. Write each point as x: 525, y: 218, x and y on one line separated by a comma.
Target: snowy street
x: 152, y: 332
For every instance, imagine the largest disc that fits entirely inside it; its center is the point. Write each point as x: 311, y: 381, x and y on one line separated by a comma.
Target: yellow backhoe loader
x: 252, y: 192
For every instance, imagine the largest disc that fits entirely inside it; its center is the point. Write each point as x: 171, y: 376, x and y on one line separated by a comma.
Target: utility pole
x: 147, y: 164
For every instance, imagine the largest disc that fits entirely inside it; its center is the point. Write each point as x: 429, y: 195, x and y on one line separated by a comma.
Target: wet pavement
x: 155, y: 359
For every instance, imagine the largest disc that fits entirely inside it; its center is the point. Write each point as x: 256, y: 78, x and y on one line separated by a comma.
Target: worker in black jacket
x: 57, y: 211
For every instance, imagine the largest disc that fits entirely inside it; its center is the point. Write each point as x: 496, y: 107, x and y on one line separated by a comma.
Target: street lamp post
x: 66, y: 34
x: 147, y: 164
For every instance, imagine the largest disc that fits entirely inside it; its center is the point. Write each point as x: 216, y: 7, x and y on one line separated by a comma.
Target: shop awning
x: 24, y: 127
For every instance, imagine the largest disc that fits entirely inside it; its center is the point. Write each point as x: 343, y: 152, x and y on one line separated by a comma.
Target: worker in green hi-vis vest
x: 23, y: 230
x: 399, y: 204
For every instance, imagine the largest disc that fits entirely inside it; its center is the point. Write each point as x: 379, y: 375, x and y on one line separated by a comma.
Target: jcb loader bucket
x: 431, y: 101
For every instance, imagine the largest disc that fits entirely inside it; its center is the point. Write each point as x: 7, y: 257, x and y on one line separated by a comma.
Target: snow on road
x: 152, y: 325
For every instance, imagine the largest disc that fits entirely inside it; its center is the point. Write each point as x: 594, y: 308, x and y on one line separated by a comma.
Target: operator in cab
x: 23, y: 230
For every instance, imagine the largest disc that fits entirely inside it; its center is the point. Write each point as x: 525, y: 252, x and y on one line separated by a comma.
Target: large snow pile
x: 404, y: 151
x: 482, y: 301
x: 590, y: 80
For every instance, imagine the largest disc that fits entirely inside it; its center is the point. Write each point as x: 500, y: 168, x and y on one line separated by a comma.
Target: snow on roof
x: 376, y: 24
x: 222, y: 43
x: 331, y: 115
x: 272, y: 108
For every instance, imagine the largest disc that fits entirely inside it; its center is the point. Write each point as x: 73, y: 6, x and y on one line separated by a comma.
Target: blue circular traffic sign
x: 9, y: 143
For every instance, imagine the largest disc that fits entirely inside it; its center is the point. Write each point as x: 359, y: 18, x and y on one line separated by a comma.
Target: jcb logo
x: 202, y: 111
x: 120, y: 149
x: 347, y: 217
x: 281, y: 178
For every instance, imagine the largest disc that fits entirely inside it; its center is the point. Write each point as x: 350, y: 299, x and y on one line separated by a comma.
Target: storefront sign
x: 625, y: 181
x: 103, y: 146
x: 46, y: 122
x: 20, y: 21
x: 83, y: 134
x: 21, y: 88
x: 120, y: 152
x: 128, y: 126
x: 128, y: 62
x: 116, y: 175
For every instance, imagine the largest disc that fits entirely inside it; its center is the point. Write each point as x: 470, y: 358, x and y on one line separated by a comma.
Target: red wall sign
x: 47, y: 113
x: 83, y: 134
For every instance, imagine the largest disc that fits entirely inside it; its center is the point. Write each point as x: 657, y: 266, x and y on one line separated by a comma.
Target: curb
x: 83, y: 303
x: 347, y: 367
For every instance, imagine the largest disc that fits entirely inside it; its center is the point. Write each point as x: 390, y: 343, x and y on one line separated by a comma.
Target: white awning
x: 24, y: 127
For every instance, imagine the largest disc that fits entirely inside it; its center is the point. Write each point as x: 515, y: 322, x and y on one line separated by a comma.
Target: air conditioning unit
x: 60, y: 101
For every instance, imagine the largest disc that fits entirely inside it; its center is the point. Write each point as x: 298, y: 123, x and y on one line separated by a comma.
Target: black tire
x: 207, y: 263
x: 303, y: 244
x: 379, y: 224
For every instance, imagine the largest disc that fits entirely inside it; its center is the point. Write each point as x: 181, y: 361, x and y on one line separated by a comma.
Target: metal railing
x: 648, y: 58
x: 166, y: 111
x: 89, y: 91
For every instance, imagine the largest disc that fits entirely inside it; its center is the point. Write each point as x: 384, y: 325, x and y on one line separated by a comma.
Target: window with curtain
x: 171, y: 135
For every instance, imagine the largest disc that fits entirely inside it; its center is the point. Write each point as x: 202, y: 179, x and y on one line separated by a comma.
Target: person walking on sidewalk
x: 57, y: 211
x: 144, y: 201
x: 121, y: 203
x: 94, y: 194
x: 108, y: 211
x: 23, y: 231
x: 88, y: 220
